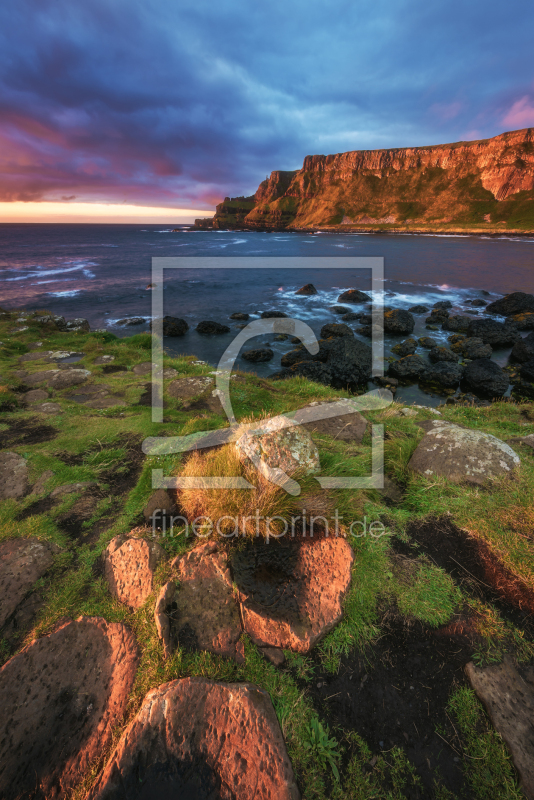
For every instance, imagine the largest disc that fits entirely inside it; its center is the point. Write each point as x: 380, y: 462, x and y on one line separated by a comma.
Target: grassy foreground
x: 84, y: 444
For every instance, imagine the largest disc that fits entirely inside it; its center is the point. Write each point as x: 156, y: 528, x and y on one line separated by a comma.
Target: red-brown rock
x: 129, y: 566
x: 198, y: 738
x: 22, y: 562
x: 60, y: 698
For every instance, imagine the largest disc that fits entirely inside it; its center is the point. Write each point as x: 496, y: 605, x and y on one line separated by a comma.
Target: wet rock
x: 42, y: 480
x: 13, y: 476
x: 350, y: 362
x: 352, y: 316
x: 514, y: 303
x: 437, y: 316
x: 457, y: 324
x: 160, y: 507
x: 523, y: 349
x: 174, y: 326
x: 485, y: 377
x: 444, y: 373
x: 335, y: 329
x: 69, y: 377
x: 277, y: 449
x: 406, y: 348
x: 442, y: 304
x: 35, y: 396
x: 460, y: 454
x: 129, y: 566
x: 48, y: 408
x: 203, y: 612
x: 202, y: 739
x: 398, y: 321
x: 442, y: 354
x: 353, y: 296
x: 131, y: 321
x: 476, y: 302
x: 240, y: 316
x: 418, y: 309
x: 186, y: 388
x: 211, y: 328
x: 22, y: 563
x: 509, y: 699
x: 427, y: 342
x: 292, y: 592
x: 61, y: 698
x: 498, y: 334
x: 408, y: 368
x: 307, y: 289
x: 70, y: 488
x: 472, y: 348
x: 387, y: 382
x: 273, y: 315
x: 259, y: 354
x: 523, y: 322
x: 340, y: 309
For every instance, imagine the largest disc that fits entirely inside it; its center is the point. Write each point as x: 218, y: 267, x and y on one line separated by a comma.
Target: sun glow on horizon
x: 50, y: 211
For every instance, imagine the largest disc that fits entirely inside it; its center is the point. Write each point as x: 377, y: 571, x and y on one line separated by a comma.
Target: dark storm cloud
x: 180, y: 103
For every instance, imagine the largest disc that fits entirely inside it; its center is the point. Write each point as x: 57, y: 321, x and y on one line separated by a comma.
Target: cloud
x: 521, y: 114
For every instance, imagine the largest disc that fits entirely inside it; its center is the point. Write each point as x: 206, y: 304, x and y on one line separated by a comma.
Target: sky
x: 119, y: 110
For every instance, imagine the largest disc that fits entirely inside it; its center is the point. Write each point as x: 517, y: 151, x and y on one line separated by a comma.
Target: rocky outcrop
x: 61, y: 698
x: 442, y: 185
x: 199, y: 738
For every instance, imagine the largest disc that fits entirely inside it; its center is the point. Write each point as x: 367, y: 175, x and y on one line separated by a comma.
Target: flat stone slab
x: 509, y: 700
x: 199, y: 738
x: 129, y: 566
x: 291, y: 593
x: 35, y: 396
x: 142, y: 369
x: 57, y: 378
x: 22, y: 562
x: 526, y: 440
x: 48, y: 408
x: 38, y: 356
x: 203, y: 612
x: 461, y: 454
x: 346, y: 428
x: 186, y: 388
x: 104, y: 360
x: 60, y: 698
x: 13, y: 476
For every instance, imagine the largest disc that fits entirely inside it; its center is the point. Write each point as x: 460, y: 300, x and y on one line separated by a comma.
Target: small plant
x: 302, y: 666
x: 325, y: 749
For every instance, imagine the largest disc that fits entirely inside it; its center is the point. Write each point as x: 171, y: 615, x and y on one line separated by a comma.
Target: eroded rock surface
x: 129, y: 566
x: 60, y: 698
x: 198, y: 738
x: 22, y: 562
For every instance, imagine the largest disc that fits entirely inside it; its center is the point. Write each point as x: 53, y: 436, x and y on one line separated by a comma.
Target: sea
x: 103, y: 273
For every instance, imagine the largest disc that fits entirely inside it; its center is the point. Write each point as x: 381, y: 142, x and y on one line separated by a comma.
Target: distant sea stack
x: 485, y: 185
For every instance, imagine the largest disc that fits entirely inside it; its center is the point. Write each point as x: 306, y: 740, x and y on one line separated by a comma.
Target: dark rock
x: 201, y: 739
x: 345, y: 428
x: 61, y: 698
x: 523, y: 322
x: 335, y: 329
x: 159, y: 507
x: 523, y: 349
x: 472, y: 348
x: 456, y: 337
x: 240, y: 315
x: 273, y: 315
x: 442, y: 354
x: 442, y: 304
x: 408, y: 368
x: 22, y: 563
x: 353, y: 296
x: 174, y: 326
x: 352, y: 316
x: 259, y: 354
x: 418, y: 309
x: 498, y: 334
x: 444, y: 373
x: 129, y: 567
x: 366, y: 319
x: 340, y: 309
x: 514, y: 303
x: 527, y: 370
x: 427, y: 342
x: 210, y: 328
x: 456, y: 324
x: 13, y: 476
x: 391, y: 492
x: 486, y: 378
x: 350, y: 361
x: 312, y: 370
x: 398, y: 321
x: 131, y: 321
x: 387, y: 382
x: 406, y: 348
x: 476, y: 303
x: 437, y: 317
x: 307, y: 289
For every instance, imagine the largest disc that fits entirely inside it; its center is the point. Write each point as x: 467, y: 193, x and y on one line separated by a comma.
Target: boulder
x: 34, y: 396
x: 442, y: 354
x: 160, y: 506
x: 350, y: 361
x: 240, y: 316
x: 460, y: 454
x: 457, y: 324
x: 174, y: 326
x: 202, y: 612
x: 258, y: 354
x: 210, y: 328
x: 78, y: 324
x: 406, y: 348
x: 130, y: 321
x: 445, y: 373
x: 335, y: 329
x: 292, y: 592
x: 498, y: 334
x: 514, y: 303
x: 442, y: 304
x: 527, y: 370
x: 129, y: 566
x: 273, y: 315
x: 437, y: 316
x: 427, y: 342
x: 202, y: 739
x: 22, y: 562
x: 61, y: 697
x: 68, y: 377
x: 186, y: 388
x: 523, y: 322
x: 418, y: 309
x: 476, y: 302
x: 340, y: 310
x: 485, y: 377
x: 307, y: 289
x: 43, y: 376
x: 398, y: 321
x: 408, y: 368
x: 523, y: 349
x: 509, y: 699
x: 353, y: 296
x: 278, y: 449
x: 472, y: 348
x: 311, y: 370
x: 352, y: 316
x: 13, y: 476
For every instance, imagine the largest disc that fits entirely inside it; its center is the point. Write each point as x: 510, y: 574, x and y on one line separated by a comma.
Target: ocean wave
x: 66, y: 293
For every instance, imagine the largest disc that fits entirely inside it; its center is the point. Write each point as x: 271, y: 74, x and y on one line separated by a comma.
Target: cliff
x: 480, y: 185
